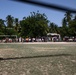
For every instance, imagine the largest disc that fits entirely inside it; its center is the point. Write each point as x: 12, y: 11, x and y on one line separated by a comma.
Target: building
x: 54, y: 37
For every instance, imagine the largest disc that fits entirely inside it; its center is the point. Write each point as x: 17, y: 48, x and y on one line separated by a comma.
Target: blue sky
x: 19, y: 10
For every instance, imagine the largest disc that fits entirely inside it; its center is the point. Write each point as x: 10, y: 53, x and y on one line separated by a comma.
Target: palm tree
x: 2, y: 26
x: 64, y: 22
x: 68, y: 17
x: 1, y: 23
x: 9, y: 20
x: 16, y: 24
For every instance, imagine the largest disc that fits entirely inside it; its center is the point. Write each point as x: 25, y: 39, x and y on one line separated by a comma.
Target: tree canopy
x: 34, y: 25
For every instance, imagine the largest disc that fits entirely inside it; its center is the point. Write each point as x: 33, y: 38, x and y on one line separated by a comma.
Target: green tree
x: 53, y: 28
x: 68, y: 25
x: 2, y: 27
x: 64, y: 22
x: 64, y: 27
x: 16, y: 26
x: 9, y: 21
x: 35, y: 25
x: 72, y: 27
x: 68, y: 16
x: 2, y: 23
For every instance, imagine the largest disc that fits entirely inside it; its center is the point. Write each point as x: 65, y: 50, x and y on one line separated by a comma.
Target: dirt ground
x: 38, y: 58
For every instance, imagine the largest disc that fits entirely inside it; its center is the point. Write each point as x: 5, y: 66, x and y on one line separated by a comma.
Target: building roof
x: 52, y: 34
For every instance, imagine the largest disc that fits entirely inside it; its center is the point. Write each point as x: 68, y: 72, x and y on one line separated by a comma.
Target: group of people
x: 20, y: 39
